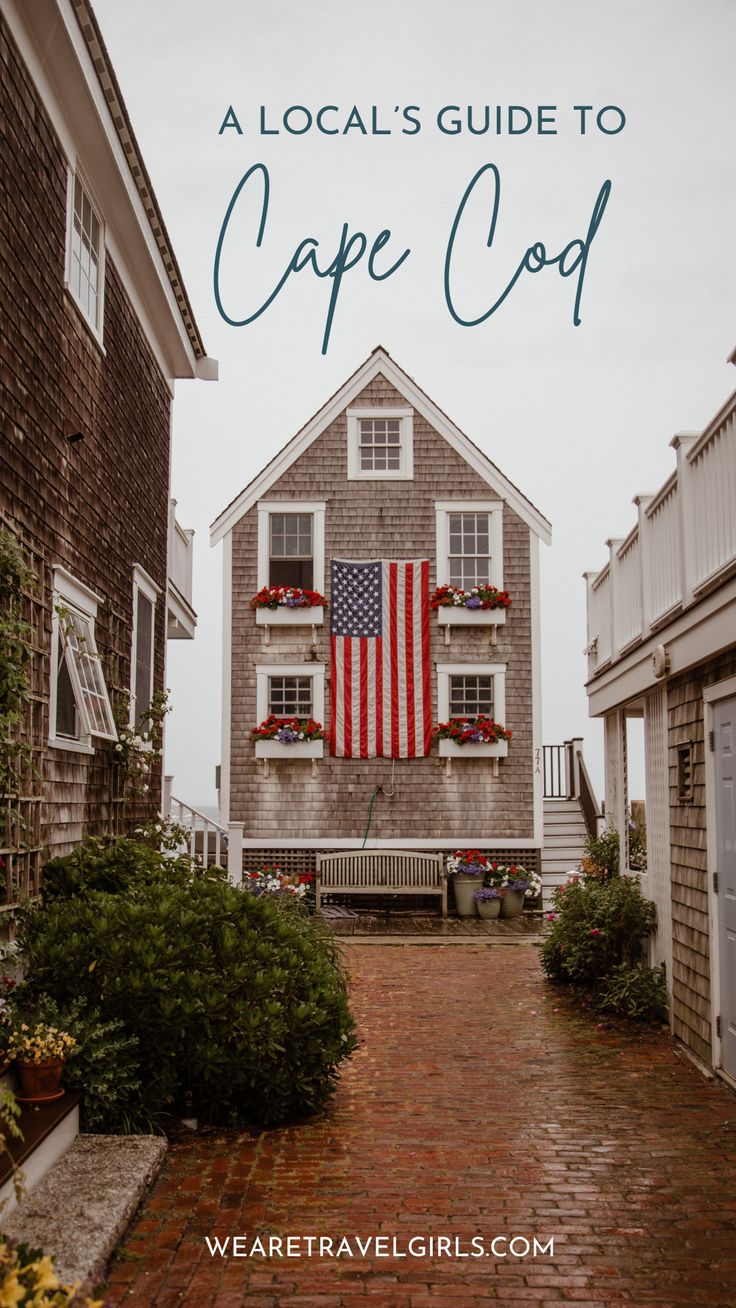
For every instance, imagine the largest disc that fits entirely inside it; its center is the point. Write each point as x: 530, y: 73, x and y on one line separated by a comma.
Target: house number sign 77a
x: 353, y: 247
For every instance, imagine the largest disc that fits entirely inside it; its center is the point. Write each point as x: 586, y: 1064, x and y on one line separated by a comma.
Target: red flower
x: 595, y: 931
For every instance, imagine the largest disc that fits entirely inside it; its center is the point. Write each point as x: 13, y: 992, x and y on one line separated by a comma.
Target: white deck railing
x: 208, y: 841
x: 181, y: 555
x: 684, y: 539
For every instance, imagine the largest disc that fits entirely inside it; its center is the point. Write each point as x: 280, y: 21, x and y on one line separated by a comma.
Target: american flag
x: 379, y: 625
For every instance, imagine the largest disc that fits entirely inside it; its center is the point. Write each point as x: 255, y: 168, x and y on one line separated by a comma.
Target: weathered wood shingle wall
x: 383, y: 519
x: 97, y: 506
x: 690, y: 926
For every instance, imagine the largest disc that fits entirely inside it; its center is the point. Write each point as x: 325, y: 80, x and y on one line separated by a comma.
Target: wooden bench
x: 381, y: 872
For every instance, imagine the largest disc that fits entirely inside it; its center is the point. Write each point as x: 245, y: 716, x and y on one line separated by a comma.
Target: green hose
x: 370, y: 816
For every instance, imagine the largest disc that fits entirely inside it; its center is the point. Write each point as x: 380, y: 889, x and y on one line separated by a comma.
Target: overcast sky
x: 579, y: 417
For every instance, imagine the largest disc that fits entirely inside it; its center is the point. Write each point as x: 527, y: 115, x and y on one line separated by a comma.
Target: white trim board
x: 381, y: 363
x: 342, y: 842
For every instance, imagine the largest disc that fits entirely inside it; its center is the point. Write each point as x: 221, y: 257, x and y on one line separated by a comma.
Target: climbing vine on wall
x: 15, y: 578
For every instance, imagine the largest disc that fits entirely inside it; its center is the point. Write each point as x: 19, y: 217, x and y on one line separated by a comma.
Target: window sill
x: 300, y: 749
x: 374, y: 475
x: 71, y: 746
x: 286, y: 617
x: 462, y: 617
x: 448, y: 749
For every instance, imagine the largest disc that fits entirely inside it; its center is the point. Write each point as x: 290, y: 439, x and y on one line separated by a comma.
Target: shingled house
x: 662, y: 648
x: 96, y: 326
x: 378, y: 501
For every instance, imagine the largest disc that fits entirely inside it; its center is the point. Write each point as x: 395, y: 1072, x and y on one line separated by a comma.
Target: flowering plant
x: 478, y: 597
x: 28, y: 1280
x: 517, y: 878
x: 272, y: 881
x: 164, y: 833
x: 40, y: 1044
x: 489, y: 892
x: 480, y: 730
x: 470, y: 862
x: 290, y: 597
x: 287, y: 731
x: 138, y: 746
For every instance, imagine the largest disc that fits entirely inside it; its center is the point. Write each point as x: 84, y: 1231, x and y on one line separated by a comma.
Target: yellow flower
x: 11, y: 1291
x: 46, y: 1278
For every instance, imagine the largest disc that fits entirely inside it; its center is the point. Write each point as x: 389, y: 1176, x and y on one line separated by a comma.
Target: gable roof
x: 380, y: 362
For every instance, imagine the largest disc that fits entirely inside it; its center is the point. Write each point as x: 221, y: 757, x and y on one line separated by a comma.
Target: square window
x: 290, y: 697
x: 85, y: 254
x: 471, y: 695
x: 380, y: 444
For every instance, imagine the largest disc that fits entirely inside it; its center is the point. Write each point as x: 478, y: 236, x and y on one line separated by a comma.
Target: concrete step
x: 82, y: 1208
x: 47, y: 1131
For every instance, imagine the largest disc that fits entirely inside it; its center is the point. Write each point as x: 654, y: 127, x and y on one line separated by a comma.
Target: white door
x: 724, y: 717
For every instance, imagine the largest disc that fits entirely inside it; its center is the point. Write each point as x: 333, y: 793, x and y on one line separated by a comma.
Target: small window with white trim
x: 380, y: 444
x: 79, y: 702
x: 85, y: 257
x: 290, y: 697
x: 145, y: 594
x: 290, y: 690
x: 471, y: 694
x: 469, y: 544
x: 471, y: 690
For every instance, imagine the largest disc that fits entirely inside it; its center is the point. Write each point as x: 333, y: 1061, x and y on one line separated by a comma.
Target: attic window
x: 380, y: 444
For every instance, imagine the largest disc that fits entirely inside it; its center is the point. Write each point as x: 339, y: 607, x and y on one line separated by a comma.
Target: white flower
x: 119, y: 748
x: 145, y: 788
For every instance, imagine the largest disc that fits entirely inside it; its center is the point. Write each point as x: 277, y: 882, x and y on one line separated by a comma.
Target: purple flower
x: 489, y: 892
x: 519, y: 885
x: 286, y: 735
x: 473, y: 603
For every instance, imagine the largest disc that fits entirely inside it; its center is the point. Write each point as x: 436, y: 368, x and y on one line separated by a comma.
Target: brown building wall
x: 97, y: 506
x: 382, y: 520
x: 690, y: 924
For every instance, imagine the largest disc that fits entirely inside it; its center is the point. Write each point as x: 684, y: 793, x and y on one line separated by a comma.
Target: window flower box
x: 298, y: 749
x: 484, y: 605
x: 449, y: 749
x: 288, y: 738
x: 288, y: 606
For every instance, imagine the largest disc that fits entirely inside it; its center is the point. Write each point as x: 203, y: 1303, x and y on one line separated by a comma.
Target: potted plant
x: 519, y: 884
x: 40, y: 1053
x: 488, y: 901
x: 466, y: 867
x: 292, y: 605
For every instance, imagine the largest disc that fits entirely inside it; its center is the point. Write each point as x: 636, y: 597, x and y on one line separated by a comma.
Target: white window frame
x: 314, y: 670
x: 285, y: 616
x: 406, y: 471
x: 96, y: 327
x: 443, y: 509
x: 495, y: 670
x: 147, y: 587
x: 69, y: 592
x: 274, y: 749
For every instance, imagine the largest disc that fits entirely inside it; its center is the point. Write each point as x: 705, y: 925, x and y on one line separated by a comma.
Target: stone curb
x: 83, y: 1206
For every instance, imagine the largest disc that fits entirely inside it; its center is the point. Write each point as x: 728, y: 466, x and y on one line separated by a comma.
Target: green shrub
x: 230, y: 998
x: 117, y: 867
x: 635, y: 991
x: 598, y: 927
x: 602, y: 855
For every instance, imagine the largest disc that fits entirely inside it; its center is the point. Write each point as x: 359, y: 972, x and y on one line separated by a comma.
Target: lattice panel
x: 21, y: 849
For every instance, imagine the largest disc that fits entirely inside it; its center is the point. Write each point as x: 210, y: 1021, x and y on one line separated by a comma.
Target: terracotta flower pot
x: 41, y: 1081
x: 512, y: 903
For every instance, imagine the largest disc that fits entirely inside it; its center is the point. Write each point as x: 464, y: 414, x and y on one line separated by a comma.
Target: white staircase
x: 565, y: 834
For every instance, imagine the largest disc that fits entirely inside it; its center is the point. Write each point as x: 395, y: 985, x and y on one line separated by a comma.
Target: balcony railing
x: 683, y: 542
x: 182, y: 620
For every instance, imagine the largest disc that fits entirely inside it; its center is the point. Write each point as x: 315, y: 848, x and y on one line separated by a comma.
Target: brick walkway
x: 478, y: 1104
